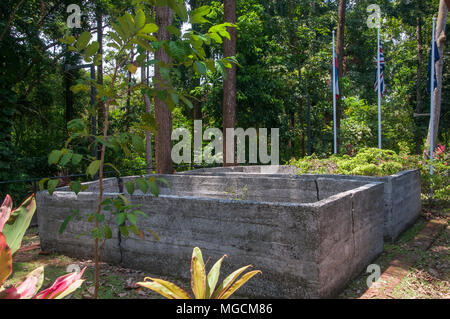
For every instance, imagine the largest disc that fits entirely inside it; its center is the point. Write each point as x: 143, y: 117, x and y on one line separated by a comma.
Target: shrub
x: 13, y: 224
x: 203, y: 286
x: 376, y: 162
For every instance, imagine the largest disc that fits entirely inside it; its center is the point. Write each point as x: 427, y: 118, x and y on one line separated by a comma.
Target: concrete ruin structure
x: 308, y: 234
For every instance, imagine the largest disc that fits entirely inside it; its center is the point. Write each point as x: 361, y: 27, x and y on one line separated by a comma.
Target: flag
x: 336, y: 78
x: 436, y: 58
x: 383, y: 87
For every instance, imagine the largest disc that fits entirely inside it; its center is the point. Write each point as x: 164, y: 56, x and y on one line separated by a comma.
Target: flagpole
x: 379, y: 88
x: 432, y: 100
x: 334, y: 100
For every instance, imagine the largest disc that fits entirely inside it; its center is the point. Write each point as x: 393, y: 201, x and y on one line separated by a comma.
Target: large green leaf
x: 54, y: 157
x: 52, y: 185
x: 142, y: 184
x: 83, y: 40
x: 92, y: 48
x: 156, y: 287
x: 213, y: 277
x: 197, y: 15
x: 93, y: 168
x: 198, y: 275
x: 149, y: 28
x: 139, y: 20
x: 238, y: 284
x: 18, y: 223
x: 227, y: 282
x: 175, y: 291
x: 130, y: 187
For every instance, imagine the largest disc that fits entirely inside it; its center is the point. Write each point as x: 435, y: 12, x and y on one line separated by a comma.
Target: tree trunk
x: 440, y: 39
x: 340, y: 58
x: 100, y: 104
x: 148, y: 135
x: 229, y: 84
x: 163, y: 147
x: 68, y: 80
x: 418, y: 84
x: 197, y: 112
x: 291, y: 129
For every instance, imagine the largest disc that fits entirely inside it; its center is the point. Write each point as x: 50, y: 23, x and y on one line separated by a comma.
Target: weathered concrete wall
x: 402, y: 203
x: 262, y: 189
x: 306, y: 249
x: 351, y: 240
x: 53, y: 210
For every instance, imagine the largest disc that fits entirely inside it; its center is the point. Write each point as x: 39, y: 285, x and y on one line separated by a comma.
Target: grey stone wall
x: 402, y: 202
x: 52, y: 212
x: 308, y: 236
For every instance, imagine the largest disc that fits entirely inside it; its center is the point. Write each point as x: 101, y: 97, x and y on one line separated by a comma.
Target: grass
x: 428, y: 278
x: 115, y: 282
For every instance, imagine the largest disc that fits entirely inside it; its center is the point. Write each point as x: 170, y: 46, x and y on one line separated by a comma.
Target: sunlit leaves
x: 54, y: 157
x: 148, y: 123
x: 130, y: 187
x: 65, y: 159
x: 51, y: 185
x: 93, y: 168
x: 92, y: 48
x: 197, y: 16
x: 200, y: 67
x: 132, y: 68
x: 142, y: 184
x: 76, y: 159
x: 83, y: 40
x: 138, y: 143
x: 149, y: 28
x: 75, y: 186
x: 139, y: 20
x: 203, y: 287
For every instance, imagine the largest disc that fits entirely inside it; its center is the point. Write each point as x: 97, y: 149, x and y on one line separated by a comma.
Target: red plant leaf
x: 27, y: 288
x: 5, y: 260
x: 5, y: 211
x: 60, y: 285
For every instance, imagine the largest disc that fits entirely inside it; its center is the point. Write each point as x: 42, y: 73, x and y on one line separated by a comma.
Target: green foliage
x: 376, y: 162
x: 203, y: 286
x: 17, y: 221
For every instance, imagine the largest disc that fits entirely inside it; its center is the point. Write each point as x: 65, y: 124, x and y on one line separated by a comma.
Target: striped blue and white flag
x: 383, y: 87
x: 336, y: 75
x: 436, y: 58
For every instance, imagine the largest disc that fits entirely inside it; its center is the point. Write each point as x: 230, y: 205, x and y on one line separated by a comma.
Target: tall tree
x: 163, y: 142
x: 148, y: 135
x: 340, y: 57
x: 229, y: 84
x: 419, y: 141
x: 440, y: 39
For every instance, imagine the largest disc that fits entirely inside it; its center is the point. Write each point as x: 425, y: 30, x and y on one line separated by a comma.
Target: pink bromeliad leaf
x: 5, y: 211
x: 62, y: 286
x: 5, y: 260
x: 27, y: 288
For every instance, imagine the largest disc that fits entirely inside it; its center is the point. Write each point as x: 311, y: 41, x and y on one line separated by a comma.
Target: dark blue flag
x: 436, y: 58
x: 375, y: 86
